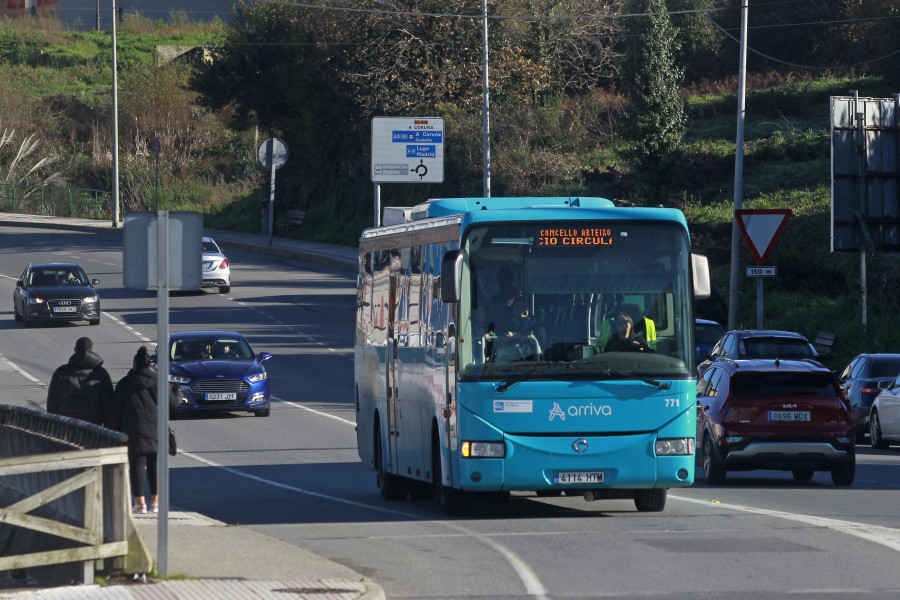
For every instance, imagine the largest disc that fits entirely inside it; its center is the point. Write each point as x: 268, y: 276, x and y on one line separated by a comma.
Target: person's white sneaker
x: 139, y: 509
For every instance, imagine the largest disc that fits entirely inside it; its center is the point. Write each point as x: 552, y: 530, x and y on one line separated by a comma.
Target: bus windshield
x: 576, y: 300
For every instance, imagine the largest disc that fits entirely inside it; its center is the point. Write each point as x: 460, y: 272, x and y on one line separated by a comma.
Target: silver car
x: 884, y: 415
x: 216, y: 271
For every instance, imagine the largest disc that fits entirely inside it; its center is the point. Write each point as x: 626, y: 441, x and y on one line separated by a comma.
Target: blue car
x: 218, y: 371
x: 706, y: 334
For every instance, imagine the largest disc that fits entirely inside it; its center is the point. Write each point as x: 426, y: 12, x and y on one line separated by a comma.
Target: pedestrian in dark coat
x: 82, y: 388
x: 135, y: 413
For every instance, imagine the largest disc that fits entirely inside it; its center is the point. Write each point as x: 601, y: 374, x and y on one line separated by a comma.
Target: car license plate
x: 789, y: 415
x: 578, y: 477
x: 65, y: 309
x: 207, y: 265
x: 222, y: 396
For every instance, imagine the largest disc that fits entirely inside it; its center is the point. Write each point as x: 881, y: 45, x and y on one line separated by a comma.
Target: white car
x: 216, y: 272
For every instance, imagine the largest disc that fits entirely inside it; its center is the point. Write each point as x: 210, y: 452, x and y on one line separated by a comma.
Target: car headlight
x: 179, y: 379
x: 483, y: 449
x: 35, y: 300
x: 675, y: 447
x: 90, y: 299
x: 258, y: 377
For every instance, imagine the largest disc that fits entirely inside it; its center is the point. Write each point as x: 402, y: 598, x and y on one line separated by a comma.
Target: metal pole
x: 98, y: 15
x: 861, y: 200
x: 270, y: 154
x: 115, y: 123
x: 156, y: 186
x: 486, y: 109
x: 734, y: 291
x: 759, y: 302
x: 377, y: 205
x: 162, y: 388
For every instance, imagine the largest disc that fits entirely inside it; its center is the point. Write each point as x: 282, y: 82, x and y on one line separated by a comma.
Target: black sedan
x: 56, y: 292
x: 862, y: 380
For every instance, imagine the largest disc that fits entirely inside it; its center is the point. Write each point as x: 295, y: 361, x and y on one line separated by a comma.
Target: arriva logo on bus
x: 584, y: 410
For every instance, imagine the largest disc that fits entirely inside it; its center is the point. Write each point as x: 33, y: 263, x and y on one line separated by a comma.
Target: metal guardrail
x: 63, y: 493
x: 55, y: 201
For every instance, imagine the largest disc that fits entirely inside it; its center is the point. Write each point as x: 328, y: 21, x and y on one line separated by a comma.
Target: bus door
x: 393, y: 402
x: 450, y: 407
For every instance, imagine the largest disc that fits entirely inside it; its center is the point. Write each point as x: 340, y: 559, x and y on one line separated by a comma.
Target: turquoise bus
x: 488, y: 357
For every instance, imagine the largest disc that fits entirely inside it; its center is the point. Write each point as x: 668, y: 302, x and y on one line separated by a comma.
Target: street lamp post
x: 734, y: 291
x: 115, y: 123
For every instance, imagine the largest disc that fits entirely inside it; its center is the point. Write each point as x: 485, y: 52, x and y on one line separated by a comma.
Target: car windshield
x: 775, y: 348
x: 708, y: 333
x: 57, y: 275
x: 782, y: 384
x: 210, y: 348
x: 210, y: 247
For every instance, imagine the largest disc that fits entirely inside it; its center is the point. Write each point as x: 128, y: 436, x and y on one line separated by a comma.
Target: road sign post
x: 760, y: 228
x: 272, y: 154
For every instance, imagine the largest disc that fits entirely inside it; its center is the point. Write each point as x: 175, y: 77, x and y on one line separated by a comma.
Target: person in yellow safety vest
x: 644, y: 327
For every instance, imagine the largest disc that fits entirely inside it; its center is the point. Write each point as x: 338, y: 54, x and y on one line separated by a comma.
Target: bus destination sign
x: 592, y: 236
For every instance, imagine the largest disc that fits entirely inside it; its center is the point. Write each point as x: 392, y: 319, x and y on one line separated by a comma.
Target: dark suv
x: 787, y: 415
x: 759, y: 343
x: 56, y: 292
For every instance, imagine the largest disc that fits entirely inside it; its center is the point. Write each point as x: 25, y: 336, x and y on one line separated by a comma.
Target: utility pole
x: 734, y: 289
x: 115, y: 123
x: 486, y: 108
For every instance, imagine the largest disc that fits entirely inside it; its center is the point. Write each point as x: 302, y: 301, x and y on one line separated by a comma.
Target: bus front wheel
x: 653, y: 500
x: 391, y: 486
x: 453, y: 502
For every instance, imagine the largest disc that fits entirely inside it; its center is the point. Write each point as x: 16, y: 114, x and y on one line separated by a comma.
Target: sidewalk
x: 220, y: 561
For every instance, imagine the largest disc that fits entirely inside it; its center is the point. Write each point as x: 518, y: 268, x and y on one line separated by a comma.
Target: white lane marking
x: 884, y: 536
x: 8, y: 277
x: 121, y: 323
x: 8, y: 365
x: 528, y: 577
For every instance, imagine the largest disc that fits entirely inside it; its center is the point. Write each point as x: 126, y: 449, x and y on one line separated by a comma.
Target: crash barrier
x: 63, y: 497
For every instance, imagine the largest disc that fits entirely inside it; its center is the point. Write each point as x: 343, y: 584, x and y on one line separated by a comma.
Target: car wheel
x: 713, y: 466
x: 650, y: 500
x: 844, y: 474
x: 224, y: 289
x: 802, y: 474
x: 26, y: 322
x: 263, y: 413
x: 875, y: 437
x: 391, y: 486
x: 94, y: 321
x: 453, y: 502
x: 16, y: 314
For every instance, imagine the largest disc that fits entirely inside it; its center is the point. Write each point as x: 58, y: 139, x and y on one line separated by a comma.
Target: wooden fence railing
x: 67, y: 503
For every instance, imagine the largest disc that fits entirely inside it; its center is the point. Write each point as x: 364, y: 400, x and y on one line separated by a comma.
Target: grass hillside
x: 56, y: 87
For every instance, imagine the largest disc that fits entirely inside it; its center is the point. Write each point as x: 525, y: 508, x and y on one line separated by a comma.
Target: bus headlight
x: 675, y: 447
x: 483, y: 449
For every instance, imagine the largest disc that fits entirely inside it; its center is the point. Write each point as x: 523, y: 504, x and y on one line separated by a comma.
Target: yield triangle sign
x: 760, y: 228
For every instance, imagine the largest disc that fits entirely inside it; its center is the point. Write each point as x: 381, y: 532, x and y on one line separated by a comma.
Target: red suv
x: 788, y: 415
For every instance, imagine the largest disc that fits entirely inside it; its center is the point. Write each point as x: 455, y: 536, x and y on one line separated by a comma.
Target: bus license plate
x: 222, y: 396
x: 789, y: 415
x: 578, y: 477
x: 65, y: 309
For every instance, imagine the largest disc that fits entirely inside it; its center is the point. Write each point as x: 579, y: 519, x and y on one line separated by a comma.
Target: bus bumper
x: 536, y: 462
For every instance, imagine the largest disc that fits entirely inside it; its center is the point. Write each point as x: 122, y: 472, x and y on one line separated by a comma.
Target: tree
x: 655, y: 120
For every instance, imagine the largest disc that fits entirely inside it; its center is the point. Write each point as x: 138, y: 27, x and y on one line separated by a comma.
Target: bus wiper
x: 514, y: 380
x: 663, y: 385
